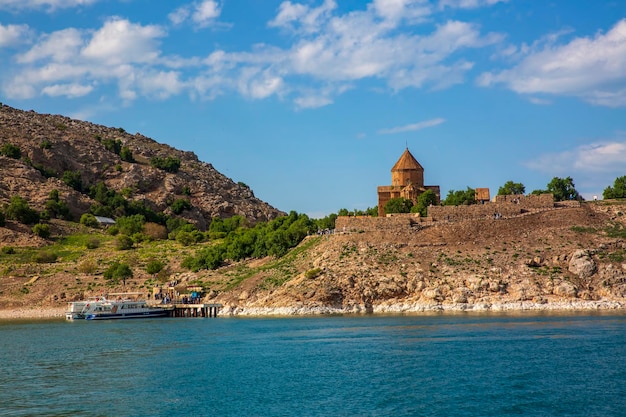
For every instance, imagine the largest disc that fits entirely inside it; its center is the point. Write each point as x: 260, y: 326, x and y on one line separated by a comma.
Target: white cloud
x: 50, y: 5
x: 13, y: 35
x: 202, y: 14
x: 205, y: 12
x: 329, y: 52
x: 120, y: 41
x: 299, y: 16
x: 592, y: 68
x: 468, y: 4
x: 598, y: 157
x: 412, y: 127
x: 58, y: 46
x: 68, y: 90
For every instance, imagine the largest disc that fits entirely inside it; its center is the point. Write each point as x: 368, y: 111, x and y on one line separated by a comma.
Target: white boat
x: 101, y: 308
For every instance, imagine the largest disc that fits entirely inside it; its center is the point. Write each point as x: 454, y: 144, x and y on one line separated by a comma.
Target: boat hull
x: 133, y: 315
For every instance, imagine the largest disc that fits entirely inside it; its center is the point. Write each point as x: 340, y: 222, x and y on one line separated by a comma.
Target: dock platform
x: 194, y: 310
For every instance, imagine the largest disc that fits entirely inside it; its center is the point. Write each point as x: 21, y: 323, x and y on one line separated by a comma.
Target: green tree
x: 124, y: 242
x: 11, y: 151
x: 563, y: 189
x: 42, y: 230
x: 425, y: 200
x: 113, y: 145
x: 18, y: 209
x: 89, y: 220
x: 169, y: 164
x: 512, y: 188
x: 126, y: 154
x: 180, y: 205
x: 154, y: 266
x: 460, y: 197
x: 118, y: 271
x: 73, y: 179
x: 398, y: 205
x: 129, y: 225
x: 617, y: 191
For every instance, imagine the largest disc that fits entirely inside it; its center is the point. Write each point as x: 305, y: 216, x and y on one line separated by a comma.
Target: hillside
x: 52, y: 146
x: 555, y: 259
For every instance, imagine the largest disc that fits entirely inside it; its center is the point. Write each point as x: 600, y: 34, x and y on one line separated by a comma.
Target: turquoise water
x: 435, y: 365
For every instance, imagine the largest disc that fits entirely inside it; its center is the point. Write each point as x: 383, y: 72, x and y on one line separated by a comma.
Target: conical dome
x: 407, y: 162
x: 407, y: 171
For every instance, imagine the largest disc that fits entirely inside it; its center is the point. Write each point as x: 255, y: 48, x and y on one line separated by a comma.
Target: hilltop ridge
x: 52, y: 145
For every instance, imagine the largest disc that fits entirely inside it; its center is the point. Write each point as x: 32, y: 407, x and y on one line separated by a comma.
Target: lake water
x: 428, y: 365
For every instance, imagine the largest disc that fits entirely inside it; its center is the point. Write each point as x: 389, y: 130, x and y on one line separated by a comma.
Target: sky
x: 311, y: 102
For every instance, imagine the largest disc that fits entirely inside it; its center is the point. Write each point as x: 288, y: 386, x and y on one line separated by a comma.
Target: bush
x: 89, y: 220
x: 398, y: 205
x: 11, y: 151
x: 180, y: 205
x: 124, y: 242
x: 113, y: 230
x: 45, y: 144
x: 42, y: 230
x: 126, y: 154
x: 87, y: 267
x: 2, y: 219
x: 154, y: 266
x: 155, y: 231
x: 185, y: 238
x: 113, y: 145
x: 45, y: 257
x: 117, y: 271
x: 93, y: 243
x: 8, y: 250
x: 129, y: 225
x: 73, y: 179
x: 312, y: 273
x: 168, y: 164
x: 18, y: 209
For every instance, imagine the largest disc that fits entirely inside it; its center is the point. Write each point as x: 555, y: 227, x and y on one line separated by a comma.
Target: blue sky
x: 311, y: 102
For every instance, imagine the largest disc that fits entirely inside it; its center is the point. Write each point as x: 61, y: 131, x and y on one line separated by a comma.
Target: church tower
x: 407, y: 179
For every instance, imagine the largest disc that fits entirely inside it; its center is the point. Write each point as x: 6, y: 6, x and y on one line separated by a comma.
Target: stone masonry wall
x: 504, y: 206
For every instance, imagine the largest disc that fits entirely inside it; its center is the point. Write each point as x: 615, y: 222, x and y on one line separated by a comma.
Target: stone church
x: 407, y: 181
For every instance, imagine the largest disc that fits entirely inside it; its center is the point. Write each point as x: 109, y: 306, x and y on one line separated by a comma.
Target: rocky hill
x: 52, y: 145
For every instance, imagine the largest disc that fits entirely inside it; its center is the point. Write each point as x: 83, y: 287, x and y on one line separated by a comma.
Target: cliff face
x: 51, y: 145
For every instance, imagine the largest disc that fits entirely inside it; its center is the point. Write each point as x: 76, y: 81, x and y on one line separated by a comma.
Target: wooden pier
x: 195, y: 310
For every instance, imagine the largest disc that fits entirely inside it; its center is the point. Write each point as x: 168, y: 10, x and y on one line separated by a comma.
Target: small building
x: 482, y: 195
x: 407, y: 179
x: 105, y: 221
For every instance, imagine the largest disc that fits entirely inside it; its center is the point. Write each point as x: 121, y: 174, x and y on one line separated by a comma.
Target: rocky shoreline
x: 404, y: 308
x: 395, y: 308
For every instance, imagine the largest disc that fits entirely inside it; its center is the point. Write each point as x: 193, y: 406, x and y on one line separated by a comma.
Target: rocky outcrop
x: 52, y: 145
x: 581, y: 264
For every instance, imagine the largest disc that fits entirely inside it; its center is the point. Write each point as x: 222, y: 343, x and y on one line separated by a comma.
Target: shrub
x: 18, y: 209
x: 87, y: 267
x: 155, y: 231
x: 185, y: 238
x: 113, y: 145
x: 8, y: 250
x: 130, y: 225
x: 2, y: 219
x: 169, y: 164
x: 186, y: 190
x: 45, y: 257
x: 89, y: 220
x: 45, y: 144
x: 154, y: 266
x: 126, y: 154
x: 117, y: 271
x: 124, y: 242
x: 11, y: 151
x: 180, y: 205
x: 113, y: 230
x: 42, y: 230
x: 73, y: 179
x: 93, y: 243
x: 312, y: 273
